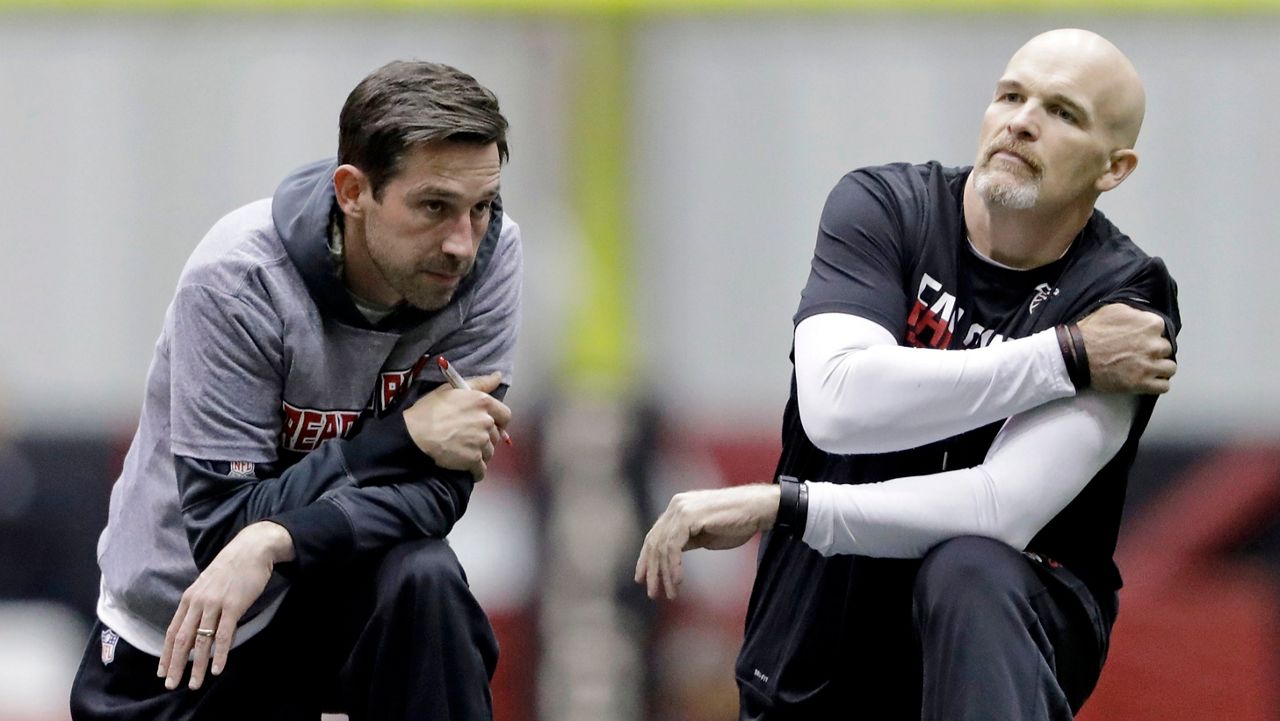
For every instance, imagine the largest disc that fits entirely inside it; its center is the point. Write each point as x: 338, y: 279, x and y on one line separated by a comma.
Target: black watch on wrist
x: 793, y: 506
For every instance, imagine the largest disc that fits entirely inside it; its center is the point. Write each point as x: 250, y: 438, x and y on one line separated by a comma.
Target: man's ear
x: 351, y: 186
x: 1121, y: 164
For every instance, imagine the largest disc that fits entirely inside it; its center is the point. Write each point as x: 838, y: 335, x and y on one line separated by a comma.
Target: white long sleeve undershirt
x: 860, y: 392
x: 1038, y: 463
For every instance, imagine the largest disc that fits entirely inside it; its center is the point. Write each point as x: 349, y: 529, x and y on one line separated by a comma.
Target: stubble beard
x: 1005, y: 184
x: 1005, y: 189
x: 423, y: 297
x: 419, y: 290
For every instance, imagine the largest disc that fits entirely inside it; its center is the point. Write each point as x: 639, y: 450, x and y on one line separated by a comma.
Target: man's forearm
x: 353, y: 520
x: 1036, y: 466
x: 859, y: 392
x: 216, y: 504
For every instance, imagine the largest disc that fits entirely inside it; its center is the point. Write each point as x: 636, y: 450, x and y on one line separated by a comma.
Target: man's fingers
x: 182, y: 643
x: 202, y: 645
x: 1124, y: 314
x: 664, y: 573
x: 1157, y: 386
x: 499, y: 411
x: 178, y: 653
x: 501, y: 417
x: 486, y: 383
x: 673, y: 551
x: 478, y: 470
x: 660, y: 556
x: 1157, y: 380
x: 653, y: 568
x: 671, y: 579
x: 170, y: 636
x: 653, y: 581
x: 223, y: 639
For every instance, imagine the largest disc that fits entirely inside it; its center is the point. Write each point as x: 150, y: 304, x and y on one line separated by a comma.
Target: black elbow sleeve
x: 207, y: 493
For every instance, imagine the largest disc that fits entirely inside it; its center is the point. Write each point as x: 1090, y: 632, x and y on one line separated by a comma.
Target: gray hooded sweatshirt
x: 271, y: 397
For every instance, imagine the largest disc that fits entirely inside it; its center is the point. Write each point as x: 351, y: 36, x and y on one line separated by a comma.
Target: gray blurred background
x: 683, y: 230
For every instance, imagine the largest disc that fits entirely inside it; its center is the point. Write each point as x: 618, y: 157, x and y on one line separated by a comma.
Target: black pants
x: 975, y: 631
x: 398, y: 638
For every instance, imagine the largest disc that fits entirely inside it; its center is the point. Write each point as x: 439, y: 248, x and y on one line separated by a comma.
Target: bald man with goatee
x: 977, y: 351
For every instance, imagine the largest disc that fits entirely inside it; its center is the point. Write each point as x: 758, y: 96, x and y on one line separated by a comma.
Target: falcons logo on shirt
x: 1043, y: 292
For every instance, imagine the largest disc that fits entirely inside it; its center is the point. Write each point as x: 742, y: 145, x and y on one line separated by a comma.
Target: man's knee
x: 970, y: 573
x: 421, y: 568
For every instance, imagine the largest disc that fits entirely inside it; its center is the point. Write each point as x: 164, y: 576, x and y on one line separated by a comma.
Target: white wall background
x: 124, y: 136
x: 127, y: 136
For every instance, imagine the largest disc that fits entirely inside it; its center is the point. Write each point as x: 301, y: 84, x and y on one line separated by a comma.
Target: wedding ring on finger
x: 205, y: 632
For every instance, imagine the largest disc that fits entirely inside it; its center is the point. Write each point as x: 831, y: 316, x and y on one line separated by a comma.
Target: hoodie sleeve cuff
x: 321, y: 534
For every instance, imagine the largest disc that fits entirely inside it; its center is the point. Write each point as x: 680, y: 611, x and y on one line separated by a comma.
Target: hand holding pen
x: 457, y: 381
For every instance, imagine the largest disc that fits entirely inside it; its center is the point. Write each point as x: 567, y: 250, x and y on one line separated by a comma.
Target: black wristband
x: 1082, y: 358
x: 793, y: 506
x: 1071, y: 344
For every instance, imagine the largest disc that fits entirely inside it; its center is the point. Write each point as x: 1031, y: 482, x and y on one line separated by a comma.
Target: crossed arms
x: 859, y: 392
x: 408, y: 474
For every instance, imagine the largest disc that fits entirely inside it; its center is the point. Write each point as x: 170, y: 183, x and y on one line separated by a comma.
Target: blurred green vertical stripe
x: 601, y: 336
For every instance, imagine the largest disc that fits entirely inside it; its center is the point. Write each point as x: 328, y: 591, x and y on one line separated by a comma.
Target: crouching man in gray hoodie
x: 275, y: 545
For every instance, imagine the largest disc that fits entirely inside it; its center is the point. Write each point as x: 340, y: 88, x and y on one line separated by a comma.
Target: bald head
x: 1097, y: 70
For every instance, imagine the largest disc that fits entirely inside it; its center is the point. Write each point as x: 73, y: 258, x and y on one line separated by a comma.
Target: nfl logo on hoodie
x: 109, y: 639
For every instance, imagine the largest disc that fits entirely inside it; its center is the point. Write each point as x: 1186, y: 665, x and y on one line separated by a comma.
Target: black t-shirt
x: 892, y: 248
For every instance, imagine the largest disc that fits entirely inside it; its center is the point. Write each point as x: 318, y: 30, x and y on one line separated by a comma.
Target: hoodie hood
x: 301, y: 210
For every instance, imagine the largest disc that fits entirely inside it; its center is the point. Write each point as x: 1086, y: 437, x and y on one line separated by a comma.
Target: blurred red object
x: 1198, y: 637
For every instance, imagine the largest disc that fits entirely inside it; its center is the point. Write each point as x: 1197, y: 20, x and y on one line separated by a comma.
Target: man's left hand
x: 716, y: 519
x: 211, y: 607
